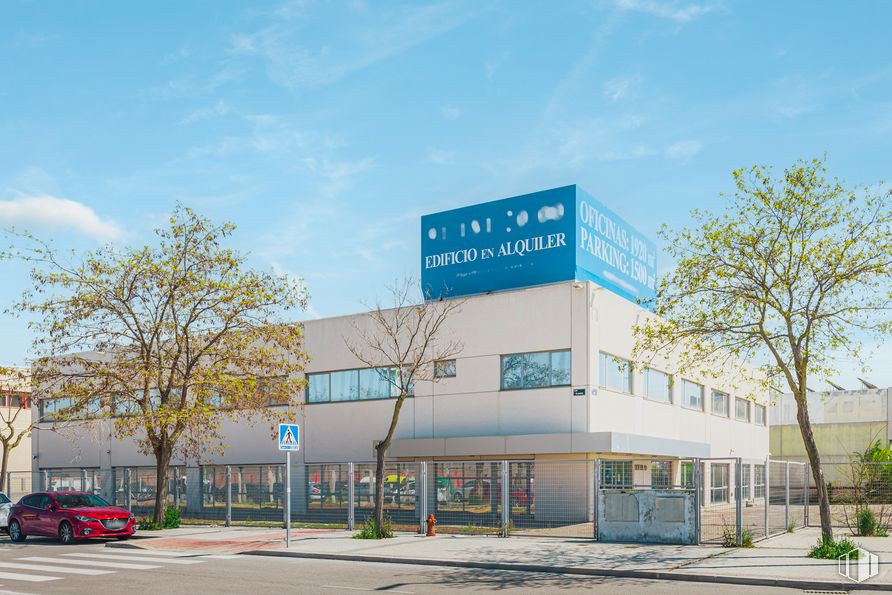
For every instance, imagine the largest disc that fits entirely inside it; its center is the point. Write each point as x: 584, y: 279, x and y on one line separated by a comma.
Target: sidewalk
x: 779, y: 561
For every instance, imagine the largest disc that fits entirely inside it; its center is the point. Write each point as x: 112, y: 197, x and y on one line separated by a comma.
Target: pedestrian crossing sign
x: 289, y: 437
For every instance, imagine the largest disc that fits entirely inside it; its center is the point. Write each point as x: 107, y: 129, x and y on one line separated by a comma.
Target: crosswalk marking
x: 114, y: 557
x: 52, y: 568
x: 164, y: 553
x: 100, y: 564
x: 30, y: 578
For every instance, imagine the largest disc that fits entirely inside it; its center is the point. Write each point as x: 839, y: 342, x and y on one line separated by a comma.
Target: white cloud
x: 365, y: 39
x: 438, y: 156
x: 675, y: 11
x: 451, y: 113
x: 217, y: 110
x: 51, y: 212
x: 683, y: 150
x: 619, y: 88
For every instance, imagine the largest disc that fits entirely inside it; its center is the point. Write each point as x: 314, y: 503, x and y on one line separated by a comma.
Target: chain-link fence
x: 853, y: 487
x: 722, y: 499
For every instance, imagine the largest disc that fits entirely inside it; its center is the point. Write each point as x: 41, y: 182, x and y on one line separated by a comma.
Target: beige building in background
x: 843, y: 422
x: 15, y: 407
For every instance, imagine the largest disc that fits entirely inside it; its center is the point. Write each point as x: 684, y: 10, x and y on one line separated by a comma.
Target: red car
x: 68, y: 516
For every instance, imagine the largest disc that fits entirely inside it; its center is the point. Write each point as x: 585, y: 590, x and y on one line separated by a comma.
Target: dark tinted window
x: 30, y: 501
x: 80, y: 500
x: 4, y: 499
x: 43, y: 501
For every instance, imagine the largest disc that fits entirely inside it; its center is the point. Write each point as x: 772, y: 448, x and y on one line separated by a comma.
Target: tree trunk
x: 162, y: 462
x: 814, y: 460
x: 4, y: 465
x: 380, y: 451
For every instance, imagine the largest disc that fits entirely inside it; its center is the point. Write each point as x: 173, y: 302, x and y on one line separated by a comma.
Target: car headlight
x: 85, y: 519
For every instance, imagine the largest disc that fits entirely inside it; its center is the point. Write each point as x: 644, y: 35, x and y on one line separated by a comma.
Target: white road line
x: 166, y: 553
x: 30, y: 578
x: 365, y: 589
x: 114, y: 557
x: 51, y: 568
x: 90, y: 563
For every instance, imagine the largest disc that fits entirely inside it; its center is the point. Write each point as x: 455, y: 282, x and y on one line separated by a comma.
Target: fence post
x: 696, y: 477
x: 351, y: 497
x: 228, y: 496
x: 176, y: 487
x: 129, y: 491
x: 46, y: 480
x: 767, y: 495
x: 787, y: 496
x: 83, y: 479
x: 738, y: 499
x: 597, y: 493
x: 421, y: 491
x: 806, y: 483
x: 506, y: 497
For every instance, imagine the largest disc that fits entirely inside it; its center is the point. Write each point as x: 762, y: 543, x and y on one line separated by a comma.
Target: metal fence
x: 853, y: 486
x: 541, y: 497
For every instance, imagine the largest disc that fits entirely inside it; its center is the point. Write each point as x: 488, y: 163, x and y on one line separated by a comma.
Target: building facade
x: 545, y: 374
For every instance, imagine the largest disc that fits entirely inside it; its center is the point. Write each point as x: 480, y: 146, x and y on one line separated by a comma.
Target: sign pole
x: 289, y: 439
x: 287, y: 498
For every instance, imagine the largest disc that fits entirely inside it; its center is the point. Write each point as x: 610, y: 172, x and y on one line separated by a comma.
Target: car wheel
x: 66, y: 533
x: 15, y: 532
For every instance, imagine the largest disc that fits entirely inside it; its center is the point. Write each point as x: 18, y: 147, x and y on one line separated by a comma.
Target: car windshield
x: 80, y: 500
x: 4, y: 499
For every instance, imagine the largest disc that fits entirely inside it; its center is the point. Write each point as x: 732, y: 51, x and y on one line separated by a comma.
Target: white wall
x: 580, y: 316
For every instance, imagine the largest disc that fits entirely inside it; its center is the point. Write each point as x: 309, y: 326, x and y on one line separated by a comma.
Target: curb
x: 605, y: 572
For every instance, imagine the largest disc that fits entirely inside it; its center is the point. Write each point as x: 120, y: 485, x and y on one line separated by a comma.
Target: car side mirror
x: 50, y: 507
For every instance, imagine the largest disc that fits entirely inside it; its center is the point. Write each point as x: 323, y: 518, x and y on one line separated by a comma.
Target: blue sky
x: 324, y: 130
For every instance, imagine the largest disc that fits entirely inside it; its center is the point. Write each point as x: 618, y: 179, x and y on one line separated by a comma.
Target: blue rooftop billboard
x: 561, y: 234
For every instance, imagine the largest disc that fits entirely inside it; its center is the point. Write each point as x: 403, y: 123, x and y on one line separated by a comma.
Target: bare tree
x: 16, y: 423
x: 405, y: 343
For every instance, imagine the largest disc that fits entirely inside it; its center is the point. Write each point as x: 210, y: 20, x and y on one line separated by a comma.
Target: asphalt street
x: 42, y: 566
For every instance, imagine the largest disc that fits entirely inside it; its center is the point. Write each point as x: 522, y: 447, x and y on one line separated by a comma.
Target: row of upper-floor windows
x: 616, y: 374
x: 13, y: 400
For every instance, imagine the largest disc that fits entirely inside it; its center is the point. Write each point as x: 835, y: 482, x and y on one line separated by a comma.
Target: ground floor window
x: 718, y: 483
x: 616, y: 474
x: 759, y: 481
x: 745, y: 482
x: 660, y: 474
x: 687, y: 475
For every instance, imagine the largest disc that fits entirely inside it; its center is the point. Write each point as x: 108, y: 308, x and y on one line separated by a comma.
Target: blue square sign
x: 289, y: 437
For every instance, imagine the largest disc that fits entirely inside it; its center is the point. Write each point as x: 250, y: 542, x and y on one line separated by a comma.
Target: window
x: 444, y: 368
x: 758, y: 481
x: 271, y: 390
x: 660, y: 474
x: 51, y: 408
x: 687, y: 475
x: 616, y: 474
x: 741, y: 409
x: 364, y: 384
x: 760, y: 414
x: 745, y: 483
x: 691, y: 395
x: 535, y: 370
x: 657, y: 386
x: 319, y: 389
x: 125, y: 405
x: 718, y: 482
x: 719, y: 403
x: 616, y: 373
x: 13, y: 400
